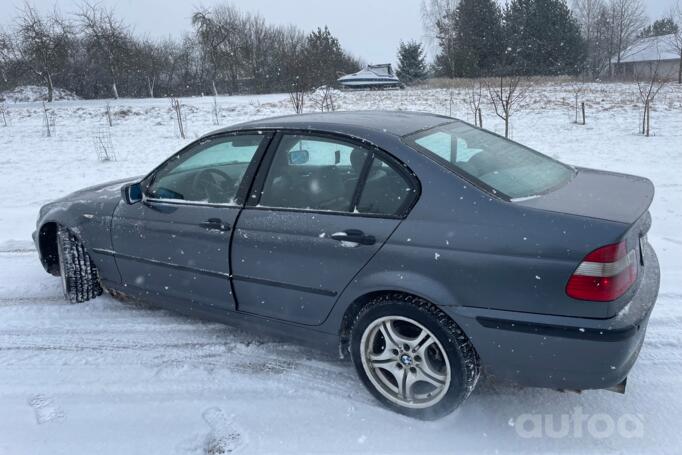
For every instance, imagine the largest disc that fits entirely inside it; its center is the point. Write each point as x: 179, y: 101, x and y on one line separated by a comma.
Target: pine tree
x: 660, y: 27
x: 411, y: 62
x: 324, y: 58
x: 445, y: 64
x: 478, y: 37
x: 543, y: 38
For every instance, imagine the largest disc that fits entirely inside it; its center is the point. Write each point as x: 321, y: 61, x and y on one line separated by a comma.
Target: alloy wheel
x: 405, y: 362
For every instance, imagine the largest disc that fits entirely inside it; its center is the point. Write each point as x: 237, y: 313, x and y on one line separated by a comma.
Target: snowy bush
x: 31, y: 93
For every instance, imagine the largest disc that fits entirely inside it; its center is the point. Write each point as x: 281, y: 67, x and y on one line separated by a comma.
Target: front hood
x: 102, y: 191
x: 598, y: 194
x: 95, y: 199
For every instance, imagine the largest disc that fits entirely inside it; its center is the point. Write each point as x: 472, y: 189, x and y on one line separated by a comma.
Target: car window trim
x: 324, y: 212
x: 362, y: 179
x: 244, y: 186
x: 269, y: 155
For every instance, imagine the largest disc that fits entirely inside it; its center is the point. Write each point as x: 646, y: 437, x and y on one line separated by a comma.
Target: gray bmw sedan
x: 426, y: 248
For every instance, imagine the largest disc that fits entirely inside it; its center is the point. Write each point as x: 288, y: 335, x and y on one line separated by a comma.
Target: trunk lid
x: 604, y: 195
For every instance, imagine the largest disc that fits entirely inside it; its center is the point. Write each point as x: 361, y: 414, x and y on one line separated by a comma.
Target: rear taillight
x: 605, y: 274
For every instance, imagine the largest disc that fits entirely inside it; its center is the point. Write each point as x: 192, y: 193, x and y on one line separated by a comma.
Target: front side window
x: 501, y: 165
x: 209, y: 173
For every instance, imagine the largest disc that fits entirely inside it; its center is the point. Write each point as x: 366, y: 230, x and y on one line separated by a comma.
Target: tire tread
x: 80, y: 276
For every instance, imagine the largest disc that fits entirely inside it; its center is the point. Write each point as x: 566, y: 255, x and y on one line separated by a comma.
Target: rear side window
x: 500, y: 165
x: 313, y: 173
x: 386, y: 189
x: 326, y: 174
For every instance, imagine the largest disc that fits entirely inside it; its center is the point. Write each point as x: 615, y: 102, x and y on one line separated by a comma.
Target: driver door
x: 175, y: 243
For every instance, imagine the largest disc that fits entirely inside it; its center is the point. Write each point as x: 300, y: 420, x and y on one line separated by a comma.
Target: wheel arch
x: 354, y: 308
x: 47, y: 244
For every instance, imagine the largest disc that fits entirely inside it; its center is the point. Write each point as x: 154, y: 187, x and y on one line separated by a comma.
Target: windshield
x: 500, y: 165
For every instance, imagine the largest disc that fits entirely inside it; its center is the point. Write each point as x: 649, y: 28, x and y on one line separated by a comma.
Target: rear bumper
x: 562, y: 352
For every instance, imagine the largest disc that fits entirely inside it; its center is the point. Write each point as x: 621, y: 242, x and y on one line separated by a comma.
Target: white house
x: 647, y: 55
x: 373, y: 77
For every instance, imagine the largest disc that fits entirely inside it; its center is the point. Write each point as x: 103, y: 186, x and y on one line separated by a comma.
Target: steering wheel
x: 214, y: 185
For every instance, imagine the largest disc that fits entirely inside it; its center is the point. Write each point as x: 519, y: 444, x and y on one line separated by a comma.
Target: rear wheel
x: 413, y: 357
x: 80, y: 279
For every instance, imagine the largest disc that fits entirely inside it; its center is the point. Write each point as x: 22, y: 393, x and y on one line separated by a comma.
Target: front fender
x: 89, y: 221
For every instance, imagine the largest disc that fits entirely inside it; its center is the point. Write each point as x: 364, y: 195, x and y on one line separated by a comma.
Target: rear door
x: 322, y: 206
x: 176, y: 242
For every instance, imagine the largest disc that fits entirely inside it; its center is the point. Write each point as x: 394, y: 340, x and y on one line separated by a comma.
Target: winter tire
x: 412, y: 357
x: 80, y: 280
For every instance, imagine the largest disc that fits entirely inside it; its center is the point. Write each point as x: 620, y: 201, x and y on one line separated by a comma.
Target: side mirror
x: 131, y: 193
x: 298, y: 157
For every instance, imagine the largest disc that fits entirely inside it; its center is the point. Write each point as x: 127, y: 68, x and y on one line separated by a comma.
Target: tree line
x: 480, y: 38
x: 95, y: 54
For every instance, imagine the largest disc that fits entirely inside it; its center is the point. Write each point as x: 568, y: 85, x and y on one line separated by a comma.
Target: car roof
x: 396, y: 123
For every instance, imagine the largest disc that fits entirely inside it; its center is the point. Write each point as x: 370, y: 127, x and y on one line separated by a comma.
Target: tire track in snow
x: 124, y: 346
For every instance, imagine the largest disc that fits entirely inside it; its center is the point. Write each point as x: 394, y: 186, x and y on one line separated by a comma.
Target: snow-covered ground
x: 105, y: 377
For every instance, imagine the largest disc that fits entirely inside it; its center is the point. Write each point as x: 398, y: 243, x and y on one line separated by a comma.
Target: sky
x: 368, y: 29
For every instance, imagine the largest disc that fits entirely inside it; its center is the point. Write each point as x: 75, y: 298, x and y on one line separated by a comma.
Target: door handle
x: 215, y: 224
x: 354, y: 236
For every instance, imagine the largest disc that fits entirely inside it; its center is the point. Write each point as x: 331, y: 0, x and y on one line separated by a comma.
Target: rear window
x: 495, y: 163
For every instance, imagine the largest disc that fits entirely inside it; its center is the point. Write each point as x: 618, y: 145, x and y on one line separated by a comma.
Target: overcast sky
x: 369, y: 29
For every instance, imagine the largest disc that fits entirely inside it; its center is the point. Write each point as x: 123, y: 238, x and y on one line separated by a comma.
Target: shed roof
x: 650, y: 50
x: 376, y: 73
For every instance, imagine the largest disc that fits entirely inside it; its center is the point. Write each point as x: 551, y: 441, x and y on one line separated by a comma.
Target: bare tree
x: 107, y: 114
x: 507, y: 95
x: 297, y: 94
x: 48, y: 121
x: 475, y: 95
x: 151, y: 62
x: 4, y: 113
x: 650, y: 81
x: 215, y: 111
x: 42, y: 44
x: 211, y: 37
x: 323, y: 99
x: 587, y: 12
x: 579, y: 87
x: 628, y: 18
x: 177, y: 109
x: 220, y: 32
x: 433, y: 12
x: 299, y: 81
x: 229, y: 50
x: 591, y: 17
x: 109, y: 36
